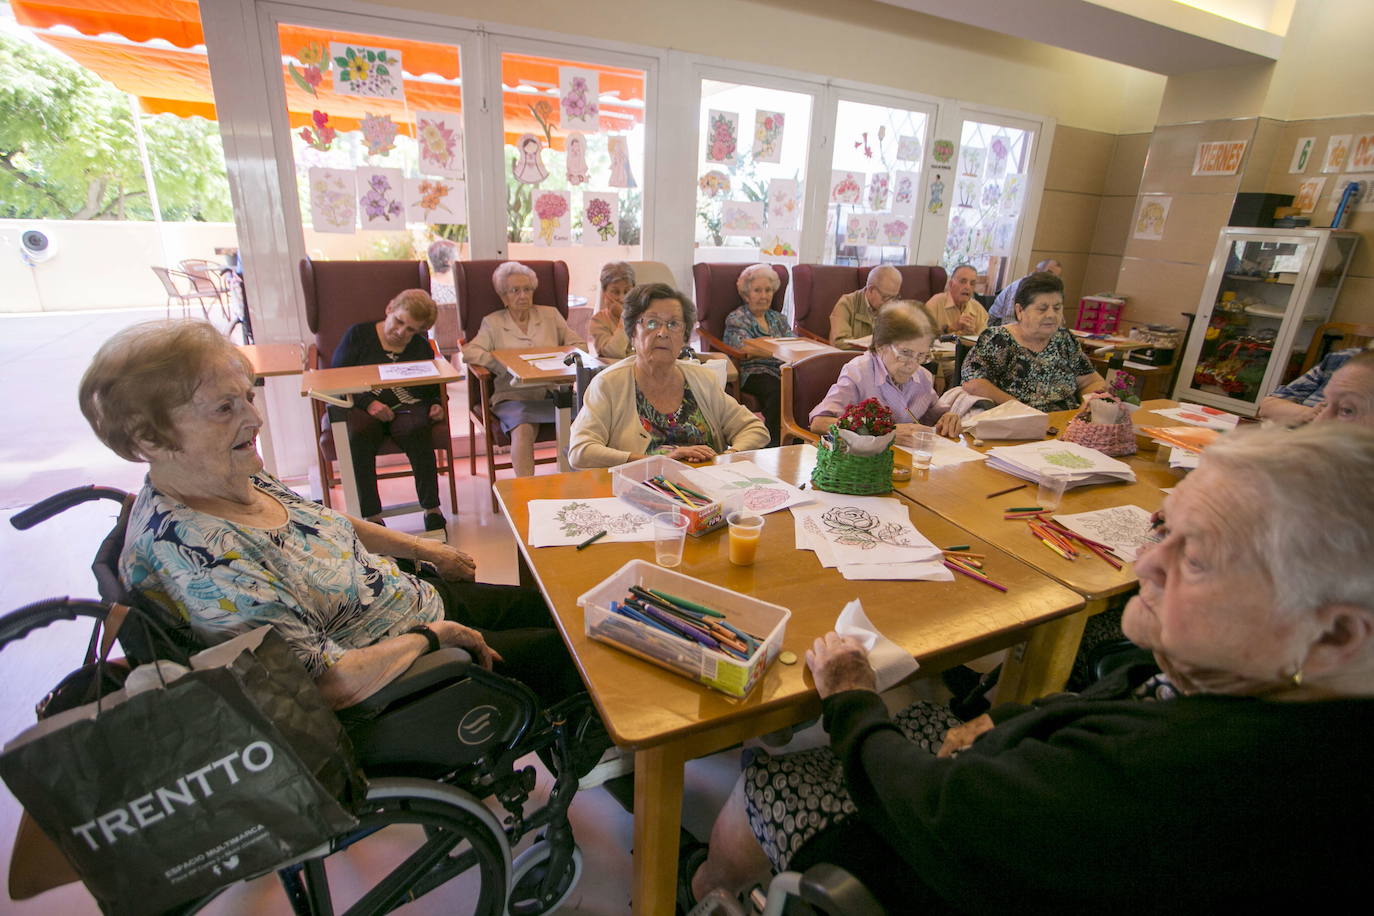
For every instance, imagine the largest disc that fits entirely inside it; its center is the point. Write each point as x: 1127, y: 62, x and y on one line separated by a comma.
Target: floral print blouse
x: 1047, y: 380
x: 311, y: 579
x: 685, y: 426
x: 741, y: 325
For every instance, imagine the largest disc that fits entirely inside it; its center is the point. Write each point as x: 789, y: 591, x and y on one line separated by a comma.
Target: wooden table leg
x: 1041, y: 665
x: 658, y: 817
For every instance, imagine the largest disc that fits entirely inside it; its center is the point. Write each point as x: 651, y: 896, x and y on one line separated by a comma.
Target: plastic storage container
x: 627, y: 482
x: 714, y: 669
x: 1099, y: 314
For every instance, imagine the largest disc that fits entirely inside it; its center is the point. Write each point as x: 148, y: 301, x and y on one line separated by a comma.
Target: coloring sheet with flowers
x: 380, y: 202
x: 862, y: 530
x: 439, y: 138
x: 741, y: 217
x: 600, y: 217
x: 333, y: 200
x: 722, y: 136
x: 768, y: 136
x: 579, y: 99
x: 846, y: 187
x: 560, y: 522
x: 784, y: 198
x: 904, y: 190
x: 436, y: 200
x: 374, y: 72
x: 553, y: 219
x: 742, y: 486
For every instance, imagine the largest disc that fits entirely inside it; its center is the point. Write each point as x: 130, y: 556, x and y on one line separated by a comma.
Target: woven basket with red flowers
x: 855, y: 456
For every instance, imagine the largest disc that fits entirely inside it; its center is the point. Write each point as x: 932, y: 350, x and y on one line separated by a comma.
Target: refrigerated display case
x: 1267, y: 291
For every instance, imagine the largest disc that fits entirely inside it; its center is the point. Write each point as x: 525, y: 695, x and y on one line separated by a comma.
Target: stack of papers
x: 1125, y: 529
x: 791, y: 349
x: 1082, y: 465
x: 867, y: 537
x: 1182, y: 458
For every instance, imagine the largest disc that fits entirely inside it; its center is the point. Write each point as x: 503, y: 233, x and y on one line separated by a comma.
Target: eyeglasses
x: 672, y: 325
x: 885, y: 298
x: 520, y: 291
x: 910, y: 356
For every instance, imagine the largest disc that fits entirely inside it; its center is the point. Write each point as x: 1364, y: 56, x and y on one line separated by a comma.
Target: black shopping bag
x: 219, y: 775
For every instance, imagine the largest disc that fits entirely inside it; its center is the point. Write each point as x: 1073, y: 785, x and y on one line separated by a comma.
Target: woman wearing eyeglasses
x: 652, y: 403
x: 891, y: 372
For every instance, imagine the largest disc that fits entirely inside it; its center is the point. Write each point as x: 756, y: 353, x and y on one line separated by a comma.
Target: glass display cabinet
x: 1267, y: 291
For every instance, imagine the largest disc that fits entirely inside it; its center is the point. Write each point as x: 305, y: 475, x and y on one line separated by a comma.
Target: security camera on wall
x: 36, y: 246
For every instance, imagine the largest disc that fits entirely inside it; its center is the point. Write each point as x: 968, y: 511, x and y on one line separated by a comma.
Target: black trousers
x: 515, y: 622
x: 412, y: 431
x: 768, y: 392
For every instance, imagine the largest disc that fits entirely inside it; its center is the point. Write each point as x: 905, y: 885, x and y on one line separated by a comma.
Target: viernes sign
x: 1219, y: 158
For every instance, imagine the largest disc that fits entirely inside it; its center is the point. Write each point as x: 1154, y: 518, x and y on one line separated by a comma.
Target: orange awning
x: 177, y: 80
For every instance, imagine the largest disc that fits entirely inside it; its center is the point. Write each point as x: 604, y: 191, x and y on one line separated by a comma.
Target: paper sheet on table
x: 1125, y: 529
x: 932, y: 571
x: 1182, y: 458
x: 559, y: 522
x: 948, y: 453
x: 1197, y: 415
x: 890, y: 662
x: 864, y: 342
x: 391, y: 372
x: 743, y: 485
x: 552, y: 364
x: 865, y: 529
x: 531, y: 357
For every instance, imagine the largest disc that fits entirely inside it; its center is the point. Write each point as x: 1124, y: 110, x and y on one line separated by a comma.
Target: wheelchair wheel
x: 417, y: 835
x: 531, y: 866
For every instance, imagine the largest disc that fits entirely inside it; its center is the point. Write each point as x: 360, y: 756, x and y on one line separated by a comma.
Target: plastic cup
x: 745, y: 531
x: 670, y: 530
x: 922, y: 448
x: 1049, y: 493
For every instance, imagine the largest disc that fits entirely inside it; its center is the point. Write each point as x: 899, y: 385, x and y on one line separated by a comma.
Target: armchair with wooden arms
x: 804, y: 385
x: 338, y: 295
x: 1337, y: 335
x: 817, y: 287
x: 477, y: 298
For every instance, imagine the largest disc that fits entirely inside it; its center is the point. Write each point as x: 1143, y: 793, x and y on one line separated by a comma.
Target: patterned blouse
x: 685, y: 426
x: 311, y: 579
x: 1047, y: 380
x: 741, y: 325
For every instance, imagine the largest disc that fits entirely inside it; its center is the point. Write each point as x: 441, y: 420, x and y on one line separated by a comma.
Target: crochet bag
x: 1103, y: 424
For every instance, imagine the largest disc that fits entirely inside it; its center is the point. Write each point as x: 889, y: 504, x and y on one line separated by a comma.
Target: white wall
x: 99, y: 263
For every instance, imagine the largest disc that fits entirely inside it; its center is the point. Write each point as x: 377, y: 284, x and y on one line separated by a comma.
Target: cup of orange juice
x: 745, y: 531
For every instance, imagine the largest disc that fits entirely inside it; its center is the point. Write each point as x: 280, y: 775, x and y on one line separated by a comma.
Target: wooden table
x: 272, y: 361
x: 336, y: 386
x: 959, y: 494
x: 561, y: 379
x: 668, y: 720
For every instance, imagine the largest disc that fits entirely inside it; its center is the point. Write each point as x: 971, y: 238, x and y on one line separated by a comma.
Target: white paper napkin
x: 890, y: 662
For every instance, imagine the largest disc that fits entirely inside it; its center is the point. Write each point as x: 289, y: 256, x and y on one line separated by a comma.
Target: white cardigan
x: 608, y: 430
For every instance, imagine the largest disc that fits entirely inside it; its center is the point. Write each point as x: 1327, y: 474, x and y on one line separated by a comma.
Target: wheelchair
x: 437, y: 744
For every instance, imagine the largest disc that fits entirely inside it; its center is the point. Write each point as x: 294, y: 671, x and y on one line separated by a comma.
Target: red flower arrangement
x: 867, y: 418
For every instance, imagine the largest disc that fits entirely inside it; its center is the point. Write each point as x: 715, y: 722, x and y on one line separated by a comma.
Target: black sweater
x: 1119, y: 806
x: 360, y: 347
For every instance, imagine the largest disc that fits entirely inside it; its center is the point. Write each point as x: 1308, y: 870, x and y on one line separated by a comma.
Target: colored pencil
x: 683, y: 602
x: 957, y: 548
x: 1020, y: 486
x: 1024, y: 509
x: 960, y: 568
x: 592, y: 540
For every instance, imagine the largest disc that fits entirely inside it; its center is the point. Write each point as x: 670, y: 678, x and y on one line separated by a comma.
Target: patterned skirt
x: 791, y: 798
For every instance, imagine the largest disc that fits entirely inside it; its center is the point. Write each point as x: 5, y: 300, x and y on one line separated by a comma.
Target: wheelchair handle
x: 60, y: 502
x: 15, y: 625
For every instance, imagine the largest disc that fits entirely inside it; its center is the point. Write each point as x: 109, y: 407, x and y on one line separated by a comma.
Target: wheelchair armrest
x: 835, y: 890
x: 721, y: 346
x: 426, y: 672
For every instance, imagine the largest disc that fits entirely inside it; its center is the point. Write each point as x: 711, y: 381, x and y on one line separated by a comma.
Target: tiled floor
x: 41, y: 360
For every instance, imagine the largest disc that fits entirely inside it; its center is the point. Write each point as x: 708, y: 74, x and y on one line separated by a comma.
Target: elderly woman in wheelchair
x: 216, y: 545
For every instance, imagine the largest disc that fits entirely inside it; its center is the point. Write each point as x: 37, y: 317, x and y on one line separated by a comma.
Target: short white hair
x: 1310, y: 497
x: 877, y: 273
x: 755, y: 270
x: 501, y: 274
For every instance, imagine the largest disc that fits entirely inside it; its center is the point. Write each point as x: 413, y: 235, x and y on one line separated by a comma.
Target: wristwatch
x: 429, y: 635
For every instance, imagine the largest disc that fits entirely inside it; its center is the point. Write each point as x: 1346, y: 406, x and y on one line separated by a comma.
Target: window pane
x: 987, y: 198
x: 356, y: 104
x: 750, y: 173
x: 882, y: 150
x: 574, y: 164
